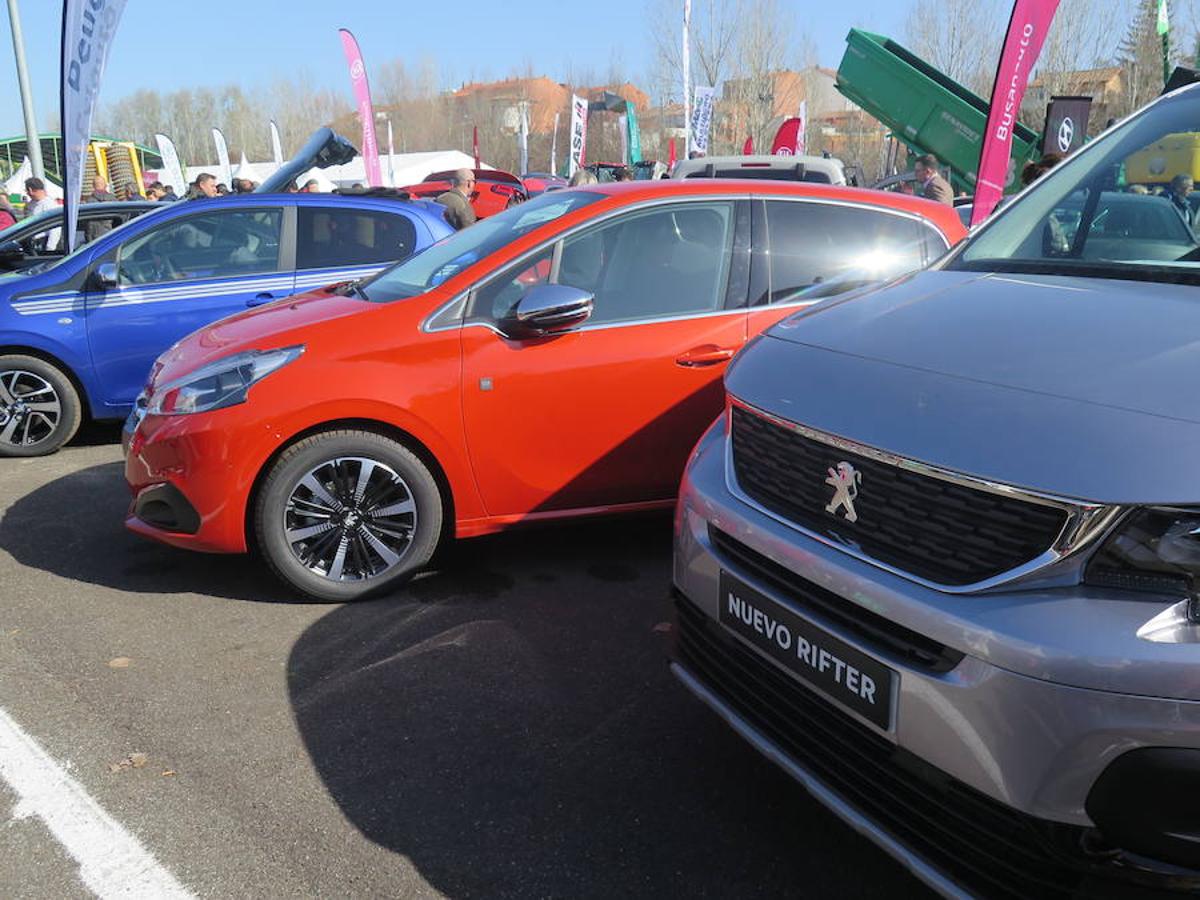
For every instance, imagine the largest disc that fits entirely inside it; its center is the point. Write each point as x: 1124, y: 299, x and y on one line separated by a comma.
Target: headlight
x: 1156, y: 550
x: 218, y: 384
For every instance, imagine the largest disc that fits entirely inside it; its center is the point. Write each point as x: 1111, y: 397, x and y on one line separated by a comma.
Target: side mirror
x: 547, y: 309
x: 10, y: 252
x: 106, y: 276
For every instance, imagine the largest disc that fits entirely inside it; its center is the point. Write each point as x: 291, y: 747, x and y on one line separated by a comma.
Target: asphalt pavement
x: 505, y: 726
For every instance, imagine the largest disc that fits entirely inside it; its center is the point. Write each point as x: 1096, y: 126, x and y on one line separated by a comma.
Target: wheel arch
x: 374, y: 426
x: 18, y: 349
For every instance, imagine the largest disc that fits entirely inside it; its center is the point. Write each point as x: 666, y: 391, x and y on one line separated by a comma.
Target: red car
x: 557, y: 360
x: 495, y: 191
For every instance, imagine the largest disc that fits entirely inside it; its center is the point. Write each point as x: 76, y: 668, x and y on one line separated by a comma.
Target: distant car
x: 77, y: 338
x: 813, y: 169
x: 537, y: 183
x: 557, y: 360
x: 495, y: 191
x: 25, y: 244
x: 645, y: 170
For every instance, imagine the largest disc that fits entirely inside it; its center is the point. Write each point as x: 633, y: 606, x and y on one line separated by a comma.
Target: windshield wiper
x: 347, y: 288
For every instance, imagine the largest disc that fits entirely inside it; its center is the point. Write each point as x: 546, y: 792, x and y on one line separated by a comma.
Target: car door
x: 177, y: 276
x: 606, y: 414
x: 807, y: 250
x: 345, y: 243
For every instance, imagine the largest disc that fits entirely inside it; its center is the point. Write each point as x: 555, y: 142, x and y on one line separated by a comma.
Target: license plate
x: 828, y: 665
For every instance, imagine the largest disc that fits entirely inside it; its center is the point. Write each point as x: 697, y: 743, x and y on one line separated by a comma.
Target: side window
x: 818, y: 249
x: 327, y: 238
x: 656, y: 263
x: 495, y: 299
x: 219, y: 244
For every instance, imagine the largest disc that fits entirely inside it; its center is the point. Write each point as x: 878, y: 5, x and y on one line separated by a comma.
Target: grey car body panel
x: 1070, y: 387
x: 1034, y: 744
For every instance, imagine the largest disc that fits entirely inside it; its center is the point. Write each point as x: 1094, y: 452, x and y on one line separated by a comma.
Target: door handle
x: 260, y: 299
x: 707, y: 355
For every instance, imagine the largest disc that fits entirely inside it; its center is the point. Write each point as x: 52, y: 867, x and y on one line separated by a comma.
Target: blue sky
x: 251, y: 42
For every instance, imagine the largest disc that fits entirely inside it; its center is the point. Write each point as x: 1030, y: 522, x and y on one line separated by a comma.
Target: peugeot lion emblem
x: 844, y: 480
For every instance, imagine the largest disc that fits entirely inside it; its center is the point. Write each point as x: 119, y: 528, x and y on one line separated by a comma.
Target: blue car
x: 77, y: 338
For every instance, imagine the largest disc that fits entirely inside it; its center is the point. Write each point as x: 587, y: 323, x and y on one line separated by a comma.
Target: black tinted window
x: 819, y: 248
x: 327, y: 238
x: 654, y: 263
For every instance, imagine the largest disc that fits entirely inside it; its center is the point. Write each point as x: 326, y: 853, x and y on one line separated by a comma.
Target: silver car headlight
x: 1156, y: 550
x: 221, y: 383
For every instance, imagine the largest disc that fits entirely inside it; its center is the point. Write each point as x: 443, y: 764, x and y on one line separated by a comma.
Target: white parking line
x: 112, y: 863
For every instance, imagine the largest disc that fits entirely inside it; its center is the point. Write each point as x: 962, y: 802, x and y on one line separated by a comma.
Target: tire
x: 319, y: 524
x: 40, y: 409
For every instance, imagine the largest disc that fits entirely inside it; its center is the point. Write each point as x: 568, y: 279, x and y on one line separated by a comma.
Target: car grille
x: 878, y: 633
x: 938, y: 530
x: 985, y: 846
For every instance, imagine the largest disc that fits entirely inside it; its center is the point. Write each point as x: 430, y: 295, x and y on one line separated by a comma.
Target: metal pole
x: 33, y: 146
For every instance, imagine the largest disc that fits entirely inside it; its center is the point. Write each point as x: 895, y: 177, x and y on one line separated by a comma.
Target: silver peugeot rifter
x: 940, y: 558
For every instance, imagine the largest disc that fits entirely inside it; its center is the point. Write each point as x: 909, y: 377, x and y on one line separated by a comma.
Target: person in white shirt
x: 39, y: 202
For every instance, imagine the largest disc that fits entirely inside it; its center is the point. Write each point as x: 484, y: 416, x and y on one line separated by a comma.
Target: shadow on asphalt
x: 74, y: 527
x: 508, y: 724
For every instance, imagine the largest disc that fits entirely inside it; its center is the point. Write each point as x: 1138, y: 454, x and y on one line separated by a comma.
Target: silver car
x: 939, y: 559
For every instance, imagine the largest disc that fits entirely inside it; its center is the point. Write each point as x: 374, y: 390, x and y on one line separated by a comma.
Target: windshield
x: 452, y: 255
x: 1126, y: 207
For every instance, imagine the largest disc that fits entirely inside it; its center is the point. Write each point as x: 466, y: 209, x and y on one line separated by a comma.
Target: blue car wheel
x: 39, y: 407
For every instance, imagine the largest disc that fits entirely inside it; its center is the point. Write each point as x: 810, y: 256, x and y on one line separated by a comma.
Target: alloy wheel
x: 350, y: 519
x: 30, y: 408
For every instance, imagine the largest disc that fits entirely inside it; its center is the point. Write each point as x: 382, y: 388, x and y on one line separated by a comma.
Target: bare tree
x: 961, y: 38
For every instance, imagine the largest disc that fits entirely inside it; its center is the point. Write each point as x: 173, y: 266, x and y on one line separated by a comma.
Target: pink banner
x: 366, y: 112
x: 1026, y: 34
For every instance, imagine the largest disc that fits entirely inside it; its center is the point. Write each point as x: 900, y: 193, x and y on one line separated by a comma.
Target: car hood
x: 1084, y: 388
x: 278, y: 324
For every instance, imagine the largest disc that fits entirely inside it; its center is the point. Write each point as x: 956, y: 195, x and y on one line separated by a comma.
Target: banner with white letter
x: 172, y: 173
x: 579, y: 115
x: 702, y: 113
x: 1026, y: 34
x: 225, y: 175
x: 88, y: 27
x: 366, y: 112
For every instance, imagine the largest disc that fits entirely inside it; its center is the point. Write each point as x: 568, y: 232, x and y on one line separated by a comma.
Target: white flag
x: 391, y: 157
x: 579, y: 114
x: 172, y: 170
x: 88, y: 29
x: 226, y: 176
x: 801, y: 143
x: 523, y: 140
x: 702, y: 113
x: 276, y: 145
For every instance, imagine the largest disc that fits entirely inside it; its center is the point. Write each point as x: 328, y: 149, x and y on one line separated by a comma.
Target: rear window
x: 330, y: 238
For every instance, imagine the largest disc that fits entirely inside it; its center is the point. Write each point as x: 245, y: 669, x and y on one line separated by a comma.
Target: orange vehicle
x: 558, y: 359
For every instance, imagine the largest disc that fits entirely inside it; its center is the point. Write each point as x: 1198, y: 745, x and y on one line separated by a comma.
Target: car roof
x: 419, y: 208
x: 940, y: 214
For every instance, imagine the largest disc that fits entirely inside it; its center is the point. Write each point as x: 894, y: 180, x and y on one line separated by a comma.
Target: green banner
x: 635, y: 134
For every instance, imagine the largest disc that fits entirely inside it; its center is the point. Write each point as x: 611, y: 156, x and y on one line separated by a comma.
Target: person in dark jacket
x: 459, y: 212
x: 932, y: 185
x: 93, y: 228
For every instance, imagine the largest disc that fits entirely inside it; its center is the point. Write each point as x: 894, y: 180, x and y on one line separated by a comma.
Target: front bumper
x: 190, y: 477
x: 984, y: 779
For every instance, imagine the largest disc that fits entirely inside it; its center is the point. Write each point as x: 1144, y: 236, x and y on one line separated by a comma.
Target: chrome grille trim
x: 1085, y: 523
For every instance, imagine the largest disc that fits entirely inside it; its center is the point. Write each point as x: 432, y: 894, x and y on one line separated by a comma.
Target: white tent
x: 16, y: 184
x: 410, y: 168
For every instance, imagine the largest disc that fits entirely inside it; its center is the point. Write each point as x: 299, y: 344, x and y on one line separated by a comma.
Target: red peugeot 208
x: 559, y: 359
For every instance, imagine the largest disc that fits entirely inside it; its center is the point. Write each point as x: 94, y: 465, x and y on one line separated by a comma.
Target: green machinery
x: 924, y: 109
